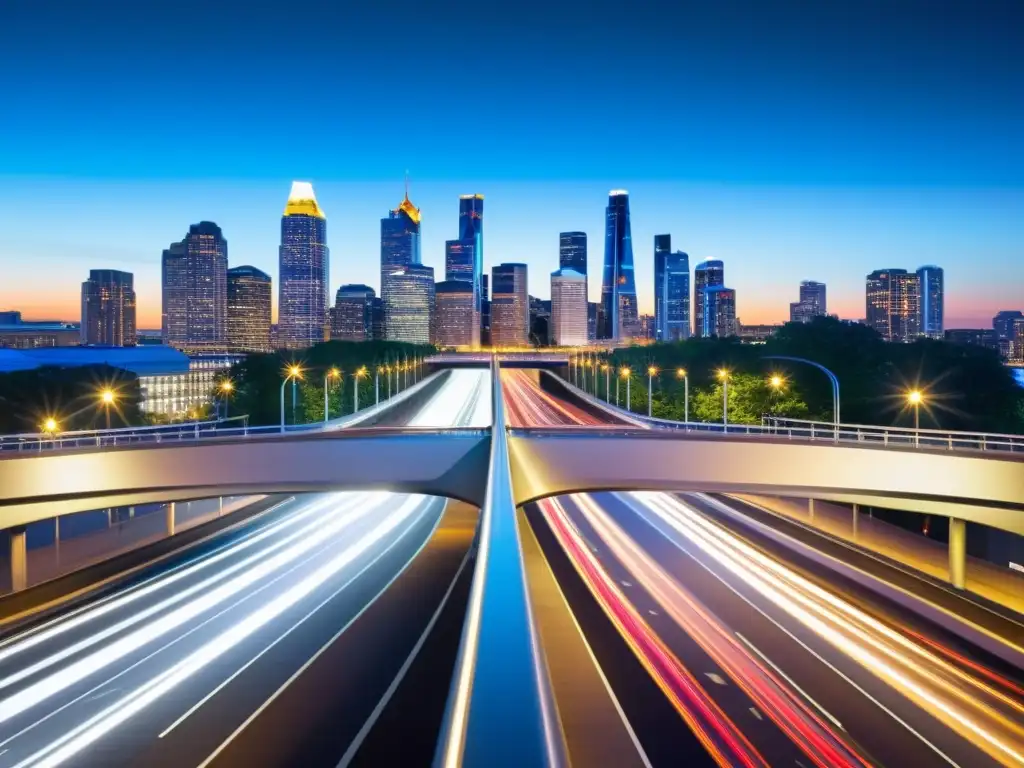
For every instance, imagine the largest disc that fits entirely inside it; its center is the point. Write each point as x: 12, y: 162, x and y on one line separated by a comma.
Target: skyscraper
x: 195, y: 289
x: 878, y: 300
x: 352, y: 316
x: 459, y: 260
x: 399, y: 246
x: 671, y: 291
x: 108, y: 308
x: 707, y: 274
x: 454, y: 314
x: 510, y: 309
x: 568, y: 308
x: 409, y: 305
x: 812, y: 302
x: 930, y: 278
x: 485, y: 310
x: 1003, y: 325
x: 572, y: 251
x: 618, y: 289
x: 249, y: 295
x: 718, y: 312
x: 305, y: 265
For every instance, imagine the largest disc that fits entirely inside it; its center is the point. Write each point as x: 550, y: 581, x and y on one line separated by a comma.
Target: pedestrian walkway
x: 1000, y: 585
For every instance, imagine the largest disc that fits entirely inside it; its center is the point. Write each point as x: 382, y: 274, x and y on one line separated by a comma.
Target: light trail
x: 966, y: 704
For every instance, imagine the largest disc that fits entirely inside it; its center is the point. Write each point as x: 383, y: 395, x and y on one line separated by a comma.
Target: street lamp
x: 625, y: 373
x: 226, y: 388
x: 651, y: 371
x: 831, y: 377
x: 355, y: 395
x: 108, y: 397
x: 607, y: 382
x: 333, y: 373
x: 376, y: 384
x: 292, y: 373
x: 915, y: 398
x: 723, y: 374
x: 387, y: 375
x: 681, y: 373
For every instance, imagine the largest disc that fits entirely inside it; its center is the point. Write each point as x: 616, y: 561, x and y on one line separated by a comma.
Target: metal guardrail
x: 500, y: 707
x: 235, y: 426
x: 826, y: 431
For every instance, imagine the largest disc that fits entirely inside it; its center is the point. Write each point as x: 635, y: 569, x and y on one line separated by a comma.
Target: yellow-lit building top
x: 302, y: 201
x: 409, y: 209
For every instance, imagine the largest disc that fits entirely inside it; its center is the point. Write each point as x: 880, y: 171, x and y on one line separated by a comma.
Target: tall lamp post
x: 334, y: 373
x: 681, y: 373
x: 226, y: 388
x: 376, y: 384
x: 607, y: 382
x: 107, y: 397
x: 651, y: 371
x: 915, y: 398
x: 831, y: 377
x: 776, y: 382
x: 625, y: 373
x: 355, y: 395
x: 723, y: 374
x: 292, y: 373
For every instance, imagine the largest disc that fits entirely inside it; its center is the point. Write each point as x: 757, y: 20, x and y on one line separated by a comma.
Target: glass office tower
x: 471, y: 229
x: 707, y: 274
x: 932, y: 297
x: 618, y: 289
x: 302, y: 309
x: 195, y: 290
x: 572, y: 251
x: 108, y: 308
x: 718, y: 312
x: 399, y: 247
x: 510, y: 308
x: 249, y: 293
x: 352, y: 316
x: 409, y: 306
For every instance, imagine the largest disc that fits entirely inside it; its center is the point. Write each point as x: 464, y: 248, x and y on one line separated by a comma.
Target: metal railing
x: 826, y: 431
x: 948, y: 440
x: 235, y: 426
x: 500, y: 707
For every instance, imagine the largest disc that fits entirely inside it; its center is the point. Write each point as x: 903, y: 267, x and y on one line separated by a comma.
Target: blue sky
x: 793, y: 141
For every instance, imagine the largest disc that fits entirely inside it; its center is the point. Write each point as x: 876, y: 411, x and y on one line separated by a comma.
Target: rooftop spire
x: 406, y: 205
x: 302, y: 201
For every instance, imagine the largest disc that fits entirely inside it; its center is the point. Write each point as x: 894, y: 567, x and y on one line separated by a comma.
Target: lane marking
x: 234, y: 734
x: 357, y: 742
x: 800, y: 642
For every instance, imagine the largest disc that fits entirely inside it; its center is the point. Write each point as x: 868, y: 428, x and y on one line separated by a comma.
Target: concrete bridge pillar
x: 170, y: 518
x: 18, y: 559
x: 958, y: 553
x: 810, y: 509
x: 220, y: 506
x: 856, y: 516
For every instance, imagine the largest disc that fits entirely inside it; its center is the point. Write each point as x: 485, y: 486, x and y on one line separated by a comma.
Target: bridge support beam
x: 958, y: 553
x: 18, y: 559
x: 171, y: 510
x: 220, y: 506
x: 810, y: 509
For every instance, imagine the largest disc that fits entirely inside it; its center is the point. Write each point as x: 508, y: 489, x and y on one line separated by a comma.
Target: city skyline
x: 813, y: 143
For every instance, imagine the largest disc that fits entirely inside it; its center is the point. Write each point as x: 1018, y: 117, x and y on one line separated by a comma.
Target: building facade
x: 932, y: 292
x: 409, y: 305
x: 1003, y: 328
x: 572, y: 251
x: 510, y: 308
x: 302, y: 305
x: 707, y: 274
x: 618, y: 287
x: 352, y: 316
x: 671, y: 291
x: 718, y: 312
x: 399, y: 247
x: 454, y: 314
x: 485, y: 311
x: 905, y: 308
x: 108, y: 309
x: 880, y: 288
x: 471, y: 230
x: 249, y: 299
x: 568, y: 325
x: 195, y: 290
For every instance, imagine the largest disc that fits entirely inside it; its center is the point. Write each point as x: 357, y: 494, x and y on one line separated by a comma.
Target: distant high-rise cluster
x: 903, y: 306
x: 304, y: 268
x: 108, y: 308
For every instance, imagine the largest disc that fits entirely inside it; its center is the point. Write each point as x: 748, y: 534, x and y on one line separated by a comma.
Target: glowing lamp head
x: 723, y: 374
x: 775, y: 381
x: 680, y: 372
x: 334, y: 373
x: 107, y: 396
x: 226, y: 385
x: 915, y: 397
x: 294, y: 372
x: 50, y: 425
x: 651, y: 370
x: 624, y: 372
